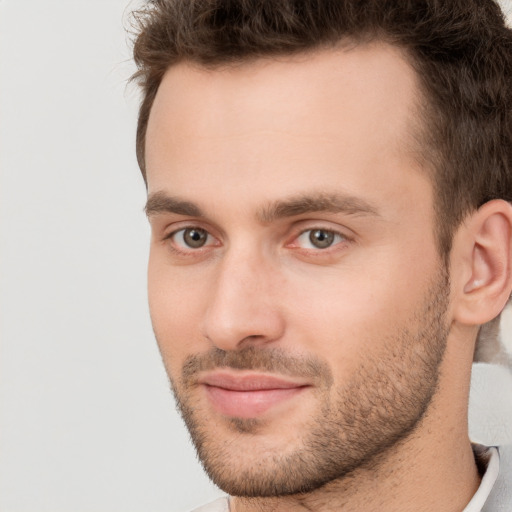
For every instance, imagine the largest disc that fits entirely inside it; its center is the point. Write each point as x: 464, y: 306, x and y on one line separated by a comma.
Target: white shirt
x: 488, y: 480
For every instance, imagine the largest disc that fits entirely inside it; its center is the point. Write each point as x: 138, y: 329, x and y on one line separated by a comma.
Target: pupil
x: 195, y: 237
x: 321, y: 239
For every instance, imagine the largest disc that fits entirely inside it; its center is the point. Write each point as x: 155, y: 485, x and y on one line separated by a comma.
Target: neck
x: 434, y: 468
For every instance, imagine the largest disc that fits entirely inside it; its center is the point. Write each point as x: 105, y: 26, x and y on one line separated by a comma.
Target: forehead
x: 350, y: 107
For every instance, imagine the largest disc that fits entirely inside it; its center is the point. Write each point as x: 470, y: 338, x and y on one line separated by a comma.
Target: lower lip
x: 248, y: 404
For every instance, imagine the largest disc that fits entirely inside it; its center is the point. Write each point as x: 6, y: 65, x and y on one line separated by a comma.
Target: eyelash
x: 338, y: 239
x: 183, y: 250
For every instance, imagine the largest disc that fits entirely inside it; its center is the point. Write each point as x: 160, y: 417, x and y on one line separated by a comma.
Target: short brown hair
x: 460, y: 49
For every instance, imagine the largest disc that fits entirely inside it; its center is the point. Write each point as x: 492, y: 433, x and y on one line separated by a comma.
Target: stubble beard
x: 355, y: 425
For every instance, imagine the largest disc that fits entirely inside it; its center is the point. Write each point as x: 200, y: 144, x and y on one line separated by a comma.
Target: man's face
x: 295, y: 288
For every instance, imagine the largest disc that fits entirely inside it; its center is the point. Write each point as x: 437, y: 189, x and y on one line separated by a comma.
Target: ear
x: 481, y: 263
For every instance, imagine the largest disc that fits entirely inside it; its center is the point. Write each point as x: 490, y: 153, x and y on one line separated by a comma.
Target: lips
x: 248, y: 395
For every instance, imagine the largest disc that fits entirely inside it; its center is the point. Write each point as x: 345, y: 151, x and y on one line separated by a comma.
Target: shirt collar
x: 489, y: 459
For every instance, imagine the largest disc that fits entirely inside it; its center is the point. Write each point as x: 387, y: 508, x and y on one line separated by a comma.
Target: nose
x: 243, y: 308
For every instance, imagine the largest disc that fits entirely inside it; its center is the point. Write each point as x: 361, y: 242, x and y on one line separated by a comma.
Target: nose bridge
x: 243, y: 308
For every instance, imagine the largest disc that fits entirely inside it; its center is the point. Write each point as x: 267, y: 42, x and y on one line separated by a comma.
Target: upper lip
x: 248, y: 381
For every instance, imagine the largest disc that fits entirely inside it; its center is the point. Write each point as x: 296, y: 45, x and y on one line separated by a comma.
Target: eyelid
x: 174, y: 227
x: 212, y: 239
x: 302, y: 228
x: 345, y: 238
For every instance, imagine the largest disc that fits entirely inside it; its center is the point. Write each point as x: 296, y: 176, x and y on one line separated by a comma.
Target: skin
x: 234, y: 152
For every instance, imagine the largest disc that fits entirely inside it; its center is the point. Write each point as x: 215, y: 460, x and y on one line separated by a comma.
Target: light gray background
x: 87, y: 422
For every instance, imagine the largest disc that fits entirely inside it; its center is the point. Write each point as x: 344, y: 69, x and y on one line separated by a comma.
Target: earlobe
x: 487, y: 246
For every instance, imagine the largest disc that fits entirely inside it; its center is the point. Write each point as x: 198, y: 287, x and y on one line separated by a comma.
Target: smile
x: 248, y: 396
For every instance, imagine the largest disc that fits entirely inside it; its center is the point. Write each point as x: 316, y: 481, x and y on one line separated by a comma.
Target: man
x: 329, y: 187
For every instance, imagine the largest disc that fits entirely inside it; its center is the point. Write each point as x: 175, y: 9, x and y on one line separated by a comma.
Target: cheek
x: 351, y: 315
x: 176, y: 303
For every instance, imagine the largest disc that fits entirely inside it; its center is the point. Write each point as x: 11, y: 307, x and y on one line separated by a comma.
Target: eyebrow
x: 160, y: 202
x: 315, y: 203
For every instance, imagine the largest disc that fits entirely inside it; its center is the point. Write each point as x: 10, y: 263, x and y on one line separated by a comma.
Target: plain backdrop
x: 87, y: 421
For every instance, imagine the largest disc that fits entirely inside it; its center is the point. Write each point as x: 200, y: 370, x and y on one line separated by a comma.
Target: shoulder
x: 220, y: 505
x: 500, y: 497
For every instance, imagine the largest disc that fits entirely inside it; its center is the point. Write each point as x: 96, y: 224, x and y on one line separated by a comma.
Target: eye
x: 190, y: 238
x: 319, y: 239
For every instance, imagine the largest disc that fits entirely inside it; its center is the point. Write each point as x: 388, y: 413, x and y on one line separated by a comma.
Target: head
x: 460, y: 51
x: 318, y: 176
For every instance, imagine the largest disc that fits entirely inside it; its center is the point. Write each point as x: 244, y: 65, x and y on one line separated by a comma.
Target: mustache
x: 268, y: 360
